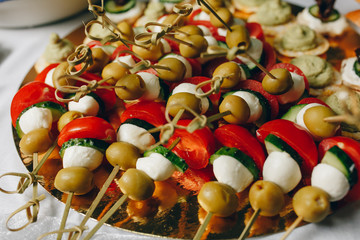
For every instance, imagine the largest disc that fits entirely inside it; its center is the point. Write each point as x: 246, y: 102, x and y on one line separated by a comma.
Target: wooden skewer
x: 292, y: 227
x: 203, y: 226
x: 248, y: 226
x: 65, y: 215
x: 207, y: 5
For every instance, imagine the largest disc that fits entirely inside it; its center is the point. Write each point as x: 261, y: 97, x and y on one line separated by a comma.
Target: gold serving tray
x: 172, y: 211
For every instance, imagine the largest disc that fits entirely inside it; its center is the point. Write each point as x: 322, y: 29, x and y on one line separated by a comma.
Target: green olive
x: 78, y: 180
x: 239, y: 34
x: 176, y: 72
x: 240, y: 110
x: 126, y: 30
x: 131, y: 87
x: 36, y: 141
x: 314, y: 121
x: 281, y: 84
x: 122, y: 154
x: 311, y: 203
x: 114, y: 71
x: 136, y: 184
x: 68, y: 117
x: 151, y: 52
x: 198, y: 45
x: 224, y: 14
x: 177, y: 101
x: 218, y: 198
x: 60, y: 71
x: 100, y: 59
x: 266, y: 196
x: 226, y: 69
x: 188, y: 30
x: 214, y: 4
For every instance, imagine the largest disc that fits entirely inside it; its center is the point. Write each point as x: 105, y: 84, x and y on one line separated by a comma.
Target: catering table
x: 19, y: 49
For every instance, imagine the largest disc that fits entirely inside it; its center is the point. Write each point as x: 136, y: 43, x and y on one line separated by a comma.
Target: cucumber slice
x: 222, y: 44
x: 357, y: 68
x: 337, y: 158
x: 314, y: 11
x: 178, y: 162
x: 274, y: 143
x: 171, y: 1
x: 164, y: 90
x: 56, y: 110
x: 247, y: 161
x: 111, y: 6
x: 143, y: 124
x: 293, y: 112
x: 246, y: 69
x: 97, y: 144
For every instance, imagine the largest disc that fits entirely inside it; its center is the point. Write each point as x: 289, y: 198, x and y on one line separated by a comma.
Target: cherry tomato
x: 309, y: 100
x: 87, y: 127
x: 119, y: 49
x: 195, y: 148
x: 257, y: 87
x: 297, y: 138
x: 42, y: 75
x: 255, y: 30
x: 352, y: 148
x: 149, y: 111
x: 232, y: 135
x: 193, y: 179
x: 30, y: 94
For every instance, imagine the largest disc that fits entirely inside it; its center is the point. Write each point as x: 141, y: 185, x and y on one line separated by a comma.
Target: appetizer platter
x: 202, y: 119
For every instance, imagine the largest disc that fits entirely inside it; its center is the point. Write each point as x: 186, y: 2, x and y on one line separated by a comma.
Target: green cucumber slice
x: 293, y: 112
x: 143, y: 124
x: 337, y: 158
x: 97, y: 144
x: 164, y: 90
x: 56, y: 110
x: 274, y: 143
x: 357, y: 68
x: 246, y: 69
x: 178, y: 162
x: 222, y: 44
x: 171, y: 1
x: 247, y: 161
x: 314, y: 11
x: 111, y: 6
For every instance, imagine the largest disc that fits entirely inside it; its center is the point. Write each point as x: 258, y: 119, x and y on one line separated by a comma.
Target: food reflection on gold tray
x: 173, y: 211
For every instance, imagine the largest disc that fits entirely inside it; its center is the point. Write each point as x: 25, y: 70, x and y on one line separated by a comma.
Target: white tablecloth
x: 19, y: 49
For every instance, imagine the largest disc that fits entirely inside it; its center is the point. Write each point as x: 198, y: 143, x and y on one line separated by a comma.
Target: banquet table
x: 19, y: 50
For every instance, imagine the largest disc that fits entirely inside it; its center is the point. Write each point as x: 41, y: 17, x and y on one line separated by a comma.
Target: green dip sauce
x: 317, y: 70
x: 299, y: 38
x: 272, y: 13
x: 58, y: 49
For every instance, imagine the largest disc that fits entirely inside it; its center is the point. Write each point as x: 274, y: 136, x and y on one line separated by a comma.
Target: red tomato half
x: 232, y: 135
x: 257, y: 87
x: 87, y: 127
x: 42, y: 75
x: 309, y: 100
x: 118, y: 50
x: 297, y: 137
x: 255, y: 30
x: 195, y: 148
x: 30, y: 94
x: 352, y: 148
x: 268, y: 62
x: 149, y: 111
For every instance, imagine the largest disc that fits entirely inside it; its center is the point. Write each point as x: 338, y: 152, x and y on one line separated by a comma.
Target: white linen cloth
x: 19, y: 50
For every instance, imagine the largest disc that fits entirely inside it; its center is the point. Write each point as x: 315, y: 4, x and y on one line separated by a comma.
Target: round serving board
x: 172, y: 211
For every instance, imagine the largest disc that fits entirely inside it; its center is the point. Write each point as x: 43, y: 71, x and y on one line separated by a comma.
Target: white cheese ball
x: 255, y: 51
x: 331, y: 180
x: 295, y: 91
x: 281, y: 169
x: 87, y: 105
x: 35, y: 118
x: 152, y: 85
x: 81, y: 156
x: 253, y: 103
x: 348, y: 75
x: 230, y: 171
x: 135, y: 135
x: 128, y: 60
x: 156, y: 166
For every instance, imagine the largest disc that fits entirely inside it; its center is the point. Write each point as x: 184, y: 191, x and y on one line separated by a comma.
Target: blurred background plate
x: 30, y: 13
